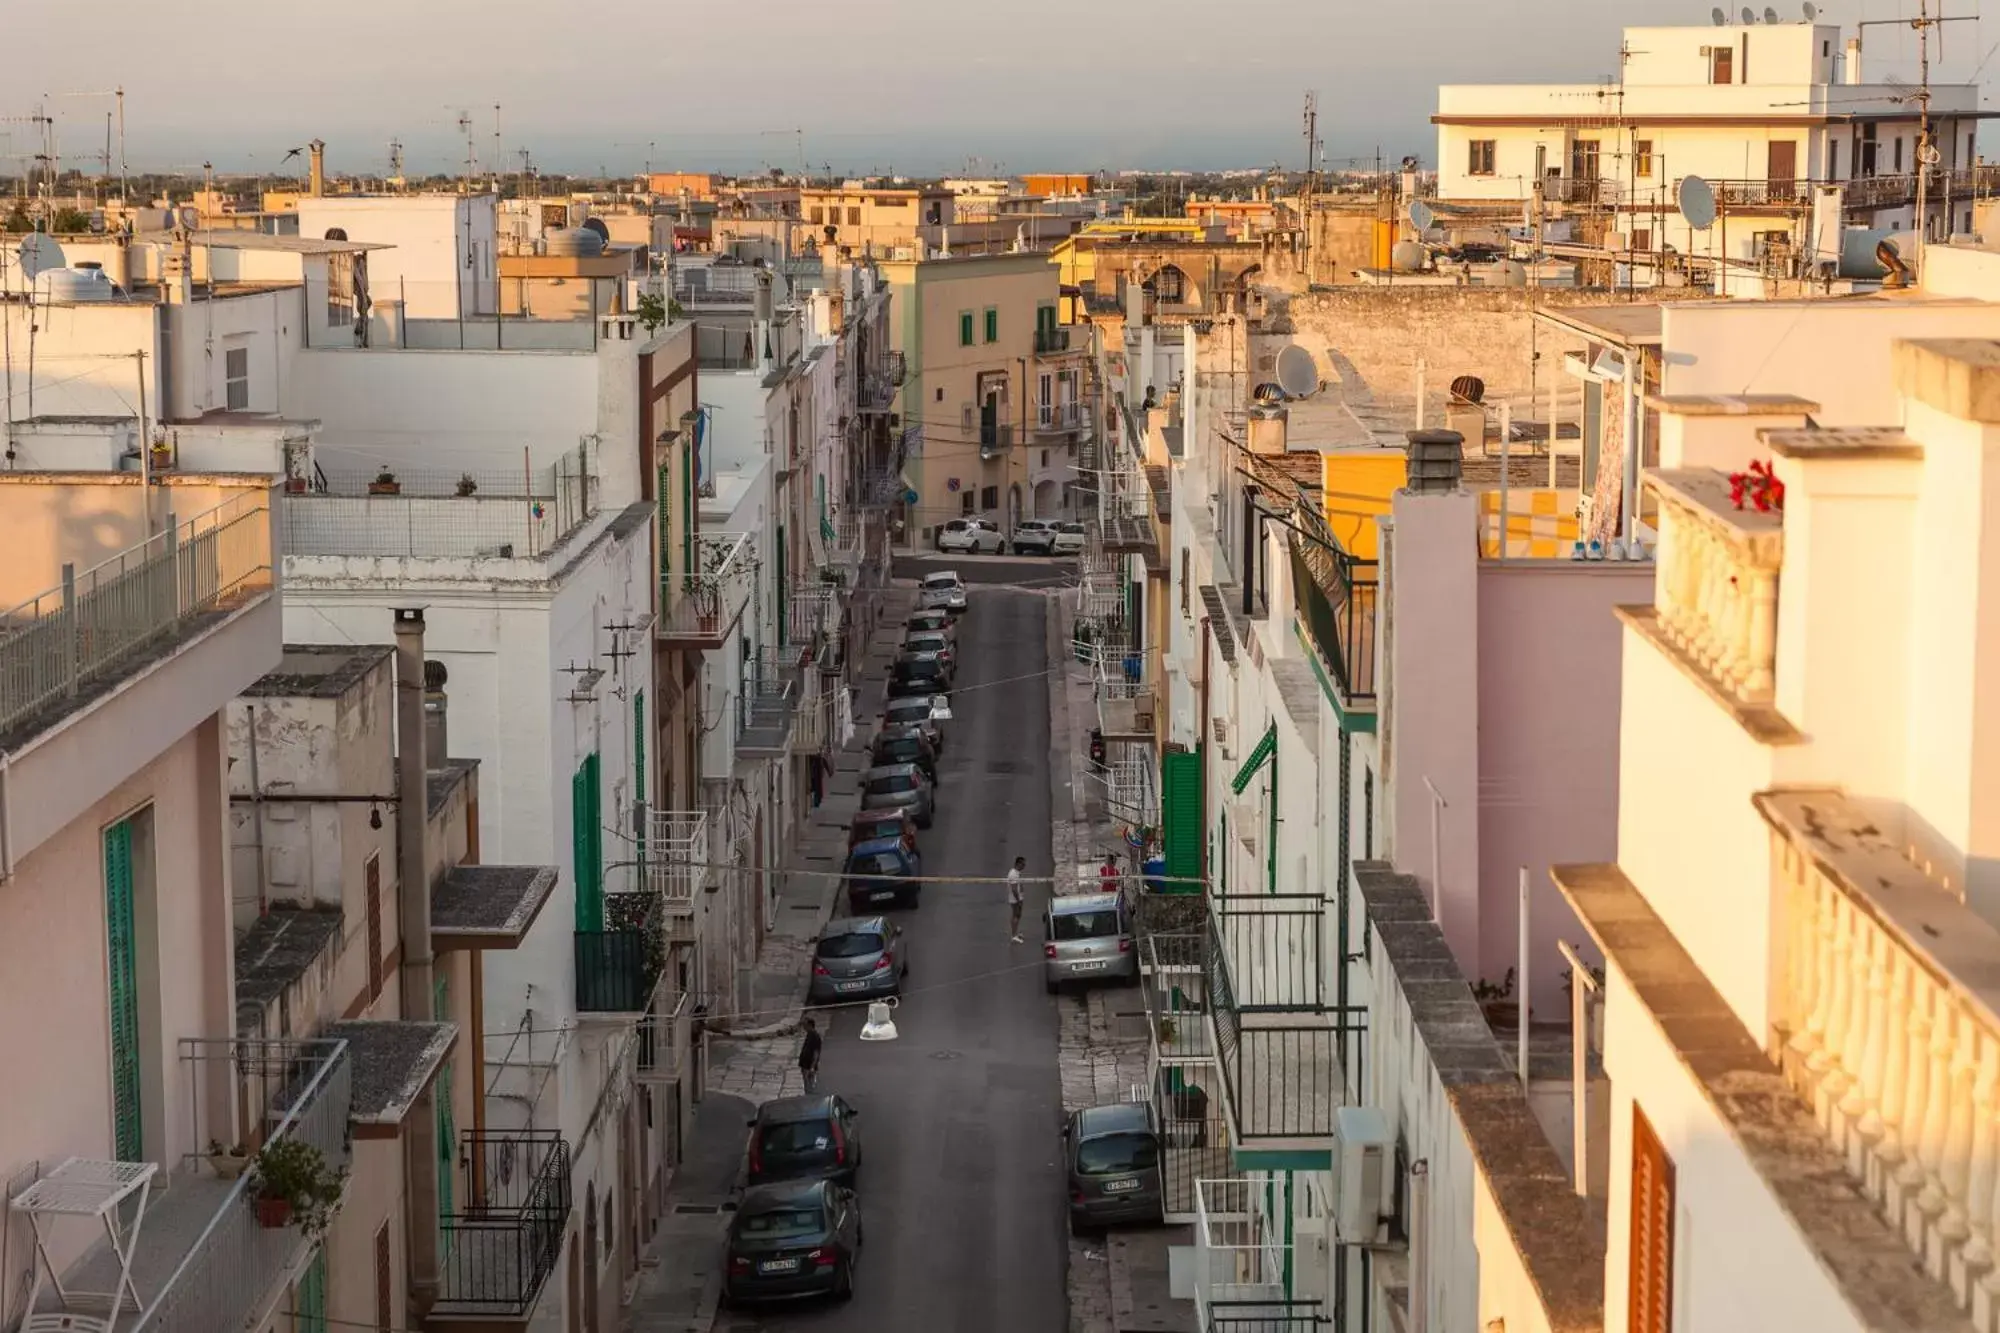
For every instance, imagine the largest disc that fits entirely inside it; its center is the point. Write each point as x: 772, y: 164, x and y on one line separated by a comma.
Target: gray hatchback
x: 899, y: 787
x: 1112, y: 1154
x: 1087, y: 937
x: 858, y: 957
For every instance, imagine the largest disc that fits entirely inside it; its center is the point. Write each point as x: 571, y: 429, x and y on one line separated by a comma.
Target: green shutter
x: 665, y: 500
x: 447, y: 1137
x: 587, y: 845
x: 1180, y: 818
x: 992, y: 325
x: 965, y: 329
x: 309, y: 1298
x: 639, y: 767
x: 121, y: 934
x: 1264, y: 749
x: 779, y: 577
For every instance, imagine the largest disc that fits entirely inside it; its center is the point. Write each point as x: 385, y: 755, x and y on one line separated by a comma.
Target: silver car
x: 1112, y: 1154
x: 931, y: 642
x: 943, y: 591
x: 1087, y: 937
x: 858, y: 957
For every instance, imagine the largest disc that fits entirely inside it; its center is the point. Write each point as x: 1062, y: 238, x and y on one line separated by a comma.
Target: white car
x: 1035, y: 534
x: 973, y: 535
x: 1068, y: 540
x: 943, y: 591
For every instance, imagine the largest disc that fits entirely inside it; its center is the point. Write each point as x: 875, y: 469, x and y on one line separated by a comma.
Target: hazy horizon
x: 890, y: 86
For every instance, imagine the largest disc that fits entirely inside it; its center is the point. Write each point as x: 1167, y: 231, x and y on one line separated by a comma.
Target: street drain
x: 697, y: 1208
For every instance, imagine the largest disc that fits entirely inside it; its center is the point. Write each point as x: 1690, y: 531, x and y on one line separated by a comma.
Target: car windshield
x: 901, y: 749
x: 935, y: 622
x: 927, y: 643
x: 796, y: 1138
x: 941, y: 582
x: 894, y: 784
x: 788, y: 1222
x: 908, y: 710
x: 1084, y: 925
x: 1116, y: 1154
x: 858, y: 944
x: 1073, y: 527
x: 877, y: 863
x: 878, y: 828
x: 927, y: 669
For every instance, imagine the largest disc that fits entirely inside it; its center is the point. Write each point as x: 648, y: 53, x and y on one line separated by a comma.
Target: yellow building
x: 993, y: 400
x: 866, y: 219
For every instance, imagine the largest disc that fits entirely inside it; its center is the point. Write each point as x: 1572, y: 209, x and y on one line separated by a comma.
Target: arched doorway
x: 1169, y: 284
x: 590, y: 1256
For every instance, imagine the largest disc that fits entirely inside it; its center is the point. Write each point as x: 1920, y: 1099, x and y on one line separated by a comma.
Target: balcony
x: 1248, y: 1277
x: 497, y: 1252
x: 1125, y: 510
x: 1126, y: 692
x: 1060, y: 417
x: 702, y: 608
x: 812, y: 612
x: 1181, y: 1057
x: 200, y: 1259
x: 1335, y: 596
x: 767, y: 702
x: 73, y: 642
x: 677, y: 869
x: 995, y: 438
x: 1264, y: 968
x: 429, y: 515
x: 665, y: 1038
x: 617, y: 967
x: 1051, y: 342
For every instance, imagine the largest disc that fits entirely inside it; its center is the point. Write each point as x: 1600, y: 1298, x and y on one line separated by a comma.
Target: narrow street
x: 961, y: 1193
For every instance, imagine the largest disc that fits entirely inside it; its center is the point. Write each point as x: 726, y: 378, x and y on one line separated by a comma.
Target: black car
x: 815, y: 1137
x: 919, y: 673
x: 904, y: 745
x: 795, y: 1239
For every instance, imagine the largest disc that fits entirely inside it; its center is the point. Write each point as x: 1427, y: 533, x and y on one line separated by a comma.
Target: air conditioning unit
x: 1363, y: 1153
x: 1218, y: 727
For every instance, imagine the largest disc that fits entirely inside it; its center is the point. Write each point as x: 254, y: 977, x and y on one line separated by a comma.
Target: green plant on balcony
x: 640, y: 913
x: 1496, y: 1000
x: 385, y: 483
x: 295, y: 1186
x: 467, y: 483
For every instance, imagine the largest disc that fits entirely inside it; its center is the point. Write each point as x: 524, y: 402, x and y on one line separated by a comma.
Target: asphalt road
x: 1020, y: 571
x: 961, y: 1193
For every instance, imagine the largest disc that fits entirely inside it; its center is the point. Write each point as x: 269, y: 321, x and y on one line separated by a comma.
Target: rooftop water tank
x: 1408, y: 257
x: 573, y: 243
x: 70, y: 285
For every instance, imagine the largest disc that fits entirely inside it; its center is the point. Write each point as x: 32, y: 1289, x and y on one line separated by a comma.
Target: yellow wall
x: 1355, y: 486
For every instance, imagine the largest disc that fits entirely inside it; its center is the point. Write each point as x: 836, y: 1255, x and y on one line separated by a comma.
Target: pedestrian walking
x: 1015, y: 898
x: 809, y: 1056
x: 1109, y: 871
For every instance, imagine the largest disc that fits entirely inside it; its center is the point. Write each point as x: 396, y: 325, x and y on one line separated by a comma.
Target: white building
x: 440, y: 256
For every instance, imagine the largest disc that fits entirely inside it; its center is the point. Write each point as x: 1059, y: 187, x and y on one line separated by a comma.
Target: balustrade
x: 1717, y: 586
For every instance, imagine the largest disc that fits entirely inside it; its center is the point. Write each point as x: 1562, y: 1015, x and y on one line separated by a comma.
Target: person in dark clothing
x: 809, y: 1055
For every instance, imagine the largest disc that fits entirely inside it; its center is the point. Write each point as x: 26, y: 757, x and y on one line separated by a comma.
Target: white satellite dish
x: 1719, y: 18
x: 1811, y: 12
x: 1297, y: 375
x: 1697, y: 202
x: 40, y: 252
x: 1422, y: 216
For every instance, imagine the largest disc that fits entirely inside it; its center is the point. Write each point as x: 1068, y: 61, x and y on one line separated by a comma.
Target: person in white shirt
x: 1015, y: 898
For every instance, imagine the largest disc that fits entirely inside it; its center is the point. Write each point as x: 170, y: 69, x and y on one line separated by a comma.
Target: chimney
x: 316, y: 174
x: 1851, y: 71
x: 420, y: 1145
x: 1437, y: 458
x: 436, y: 745
x: 1268, y: 423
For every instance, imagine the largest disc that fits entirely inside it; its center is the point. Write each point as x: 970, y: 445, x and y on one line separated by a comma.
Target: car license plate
x: 1120, y: 1186
x: 850, y: 985
x: 1093, y: 966
x: 881, y: 895
x: 784, y: 1265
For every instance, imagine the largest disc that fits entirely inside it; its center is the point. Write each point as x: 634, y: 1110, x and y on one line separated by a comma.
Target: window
x: 1864, y: 159
x: 1970, y: 159
x: 854, y: 216
x: 373, y: 877
x: 1896, y: 151
x: 1642, y: 238
x: 1117, y: 1154
x: 965, y: 502
x: 1045, y: 458
x: 1833, y: 159
x: 1170, y: 285
x: 385, y: 1282
x: 1722, y: 64
x: 1583, y: 154
x: 818, y: 216
x: 1651, y: 1298
x: 236, y: 378
x: 992, y: 324
x: 940, y: 396
x: 1187, y: 575
x: 1642, y: 157
x: 989, y: 497
x: 1479, y: 157
x: 965, y: 328
x: 857, y: 944
x: 587, y: 845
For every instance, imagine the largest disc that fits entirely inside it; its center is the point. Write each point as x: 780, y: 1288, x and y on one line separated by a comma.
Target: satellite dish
x: 1422, y: 215
x: 1770, y: 15
x: 1297, y: 375
x: 189, y: 218
x: 1697, y: 202
x: 1749, y: 14
x: 597, y: 225
x: 1719, y: 18
x: 40, y: 253
x: 1811, y: 11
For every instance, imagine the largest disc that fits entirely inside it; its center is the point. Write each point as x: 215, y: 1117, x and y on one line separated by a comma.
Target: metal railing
x: 618, y: 966
x: 1246, y: 1279
x: 1176, y: 996
x: 1280, y: 1067
x: 874, y: 392
x: 703, y: 603
x: 677, y: 850
x: 1273, y: 946
x: 769, y: 695
x: 1049, y: 342
x: 995, y: 438
x: 87, y: 627
x: 812, y: 609
x: 234, y: 1265
x: 1059, y: 416
x: 500, y: 1247
x: 1335, y: 596
x: 663, y: 1036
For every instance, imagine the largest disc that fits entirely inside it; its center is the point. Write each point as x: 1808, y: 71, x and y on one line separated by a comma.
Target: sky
x: 930, y: 87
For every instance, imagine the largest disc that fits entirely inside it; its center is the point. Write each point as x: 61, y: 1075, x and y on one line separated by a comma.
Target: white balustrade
x: 1717, y: 587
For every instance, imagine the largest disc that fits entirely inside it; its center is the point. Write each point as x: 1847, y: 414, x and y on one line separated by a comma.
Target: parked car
x: 904, y: 745
x: 973, y: 535
x: 1035, y: 536
x: 932, y: 642
x: 932, y: 622
x: 1087, y: 937
x: 928, y: 712
x: 814, y: 1137
x: 1112, y: 1155
x: 943, y: 591
x: 868, y: 825
x: 791, y: 1240
x: 919, y: 673
x: 858, y: 957
x: 1068, y: 540
x: 884, y: 871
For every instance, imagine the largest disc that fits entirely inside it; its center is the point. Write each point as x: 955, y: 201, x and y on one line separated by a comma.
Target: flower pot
x: 385, y: 488
x: 273, y: 1212
x: 295, y: 485
x: 1502, y: 1014
x: 229, y: 1165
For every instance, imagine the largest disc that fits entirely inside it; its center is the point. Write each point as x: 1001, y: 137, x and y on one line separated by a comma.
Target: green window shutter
x: 1180, y: 818
x: 121, y: 934
x: 992, y: 325
x: 309, y: 1296
x: 782, y: 593
x: 639, y: 765
x: 587, y: 845
x: 965, y: 329
x: 1266, y: 747
x: 665, y: 500
x: 447, y: 1135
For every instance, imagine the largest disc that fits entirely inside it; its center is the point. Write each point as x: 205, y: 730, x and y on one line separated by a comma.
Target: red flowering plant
x: 1759, y: 487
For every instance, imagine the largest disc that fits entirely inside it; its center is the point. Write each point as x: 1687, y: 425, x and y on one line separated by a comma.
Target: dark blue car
x: 883, y: 870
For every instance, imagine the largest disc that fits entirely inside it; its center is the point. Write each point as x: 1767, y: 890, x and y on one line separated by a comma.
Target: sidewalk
x: 681, y: 1275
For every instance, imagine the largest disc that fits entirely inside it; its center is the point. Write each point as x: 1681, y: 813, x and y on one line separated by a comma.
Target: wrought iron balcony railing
x: 1247, y: 1278
x: 1059, y: 416
x: 700, y: 607
x: 677, y: 853
x: 1280, y: 1058
x: 618, y: 966
x: 1050, y: 342
x: 1335, y: 595
x: 500, y: 1246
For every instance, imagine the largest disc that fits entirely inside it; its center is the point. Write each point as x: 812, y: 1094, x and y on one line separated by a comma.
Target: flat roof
x: 228, y: 238
x: 488, y: 907
x: 281, y: 947
x: 1625, y: 325
x: 318, y: 671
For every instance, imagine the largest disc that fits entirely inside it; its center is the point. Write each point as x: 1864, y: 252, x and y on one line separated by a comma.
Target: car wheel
x: 1001, y: 549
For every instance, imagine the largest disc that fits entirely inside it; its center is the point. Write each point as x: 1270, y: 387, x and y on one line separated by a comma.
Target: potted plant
x: 385, y: 483
x: 163, y: 454
x: 295, y: 485
x: 1168, y: 1031
x: 466, y: 484
x: 230, y: 1162
x: 294, y: 1186
x: 1497, y: 1001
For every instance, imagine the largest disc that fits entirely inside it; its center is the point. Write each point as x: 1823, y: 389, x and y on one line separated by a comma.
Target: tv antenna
x: 471, y: 150
x: 1312, y: 140
x: 1927, y: 153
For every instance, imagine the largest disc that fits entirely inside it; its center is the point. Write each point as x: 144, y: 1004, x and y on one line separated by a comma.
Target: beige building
x: 866, y: 219
x: 994, y: 400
